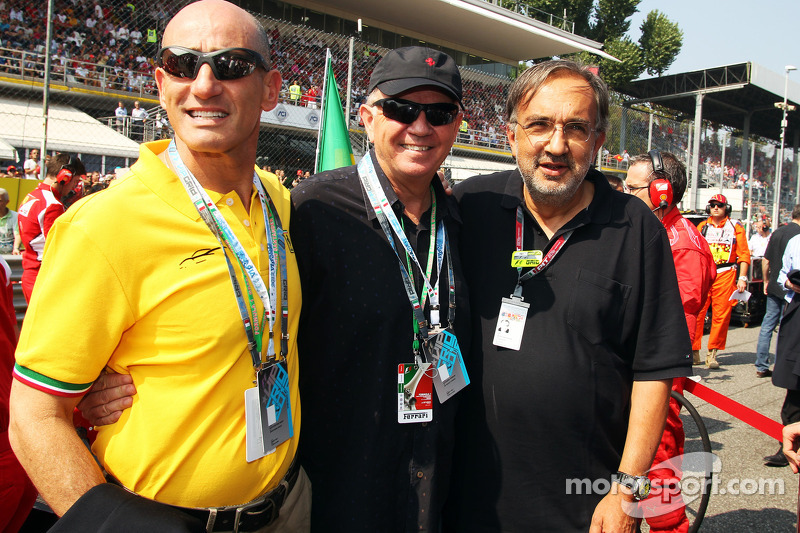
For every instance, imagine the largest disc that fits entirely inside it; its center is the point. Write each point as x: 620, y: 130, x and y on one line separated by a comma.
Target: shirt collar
x: 671, y: 217
x: 721, y: 224
x: 598, y: 211
x: 442, y: 199
x: 152, y: 172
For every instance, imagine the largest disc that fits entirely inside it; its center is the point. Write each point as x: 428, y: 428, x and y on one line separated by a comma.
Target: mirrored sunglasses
x: 407, y: 112
x: 226, y: 64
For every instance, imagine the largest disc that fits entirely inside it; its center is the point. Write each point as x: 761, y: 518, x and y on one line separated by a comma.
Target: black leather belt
x: 250, y: 516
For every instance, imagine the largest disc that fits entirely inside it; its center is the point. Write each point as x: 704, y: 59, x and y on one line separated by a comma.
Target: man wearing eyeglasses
x: 659, y: 180
x: 728, y: 241
x: 383, y: 298
x: 571, y: 399
x: 192, y: 290
x: 694, y: 263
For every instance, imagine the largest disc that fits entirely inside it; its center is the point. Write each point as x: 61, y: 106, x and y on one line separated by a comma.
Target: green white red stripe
x: 43, y: 383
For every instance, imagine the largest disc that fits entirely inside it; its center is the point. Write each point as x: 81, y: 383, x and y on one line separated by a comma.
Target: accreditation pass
x: 511, y: 323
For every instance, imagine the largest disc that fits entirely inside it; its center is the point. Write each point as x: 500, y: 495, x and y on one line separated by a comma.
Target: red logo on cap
x: 430, y: 61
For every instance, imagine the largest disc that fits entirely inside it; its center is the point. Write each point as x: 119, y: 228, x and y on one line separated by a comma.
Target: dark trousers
x: 790, y: 412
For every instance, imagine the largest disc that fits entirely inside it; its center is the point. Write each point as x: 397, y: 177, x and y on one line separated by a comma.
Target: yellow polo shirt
x: 132, y: 278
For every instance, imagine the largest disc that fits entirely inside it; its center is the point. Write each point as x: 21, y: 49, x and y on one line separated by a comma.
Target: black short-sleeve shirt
x: 605, y: 312
x: 369, y: 473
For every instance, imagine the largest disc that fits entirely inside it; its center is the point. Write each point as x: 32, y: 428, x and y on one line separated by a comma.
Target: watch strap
x: 638, y: 485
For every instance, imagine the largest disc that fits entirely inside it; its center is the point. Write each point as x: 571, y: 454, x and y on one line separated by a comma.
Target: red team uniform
x: 17, y: 493
x: 696, y: 270
x: 36, y: 215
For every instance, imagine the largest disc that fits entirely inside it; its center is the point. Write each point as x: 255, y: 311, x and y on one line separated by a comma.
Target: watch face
x: 642, y: 488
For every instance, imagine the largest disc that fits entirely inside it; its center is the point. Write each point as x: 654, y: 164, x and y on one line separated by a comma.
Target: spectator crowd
x: 112, y: 45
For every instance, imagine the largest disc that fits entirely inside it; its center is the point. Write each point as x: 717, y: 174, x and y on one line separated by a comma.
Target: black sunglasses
x: 226, y: 64
x: 407, y: 112
x: 715, y: 204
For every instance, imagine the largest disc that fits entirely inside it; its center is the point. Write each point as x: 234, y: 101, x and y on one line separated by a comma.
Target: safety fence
x: 103, y: 100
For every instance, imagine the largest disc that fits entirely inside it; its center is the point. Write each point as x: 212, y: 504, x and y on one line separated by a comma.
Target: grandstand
x: 102, y: 53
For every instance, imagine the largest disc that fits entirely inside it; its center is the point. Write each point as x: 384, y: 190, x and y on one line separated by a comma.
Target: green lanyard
x: 428, y: 268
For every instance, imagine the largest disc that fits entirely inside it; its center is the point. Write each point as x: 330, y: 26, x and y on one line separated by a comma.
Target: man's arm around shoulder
x: 47, y: 446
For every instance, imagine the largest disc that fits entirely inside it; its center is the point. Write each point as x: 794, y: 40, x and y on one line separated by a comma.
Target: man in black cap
x: 375, y: 245
x: 381, y: 369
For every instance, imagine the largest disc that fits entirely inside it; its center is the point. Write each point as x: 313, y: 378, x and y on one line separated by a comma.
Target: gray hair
x: 531, y: 80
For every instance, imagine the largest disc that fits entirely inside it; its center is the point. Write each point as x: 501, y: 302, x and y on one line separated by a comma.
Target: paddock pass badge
x: 526, y: 258
x: 414, y: 393
x: 511, y: 323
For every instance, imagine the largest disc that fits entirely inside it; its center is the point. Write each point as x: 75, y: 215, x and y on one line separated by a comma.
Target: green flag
x: 334, y: 139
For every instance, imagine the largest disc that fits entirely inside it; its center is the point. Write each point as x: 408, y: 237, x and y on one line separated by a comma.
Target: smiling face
x: 211, y: 116
x: 554, y: 168
x: 408, y: 153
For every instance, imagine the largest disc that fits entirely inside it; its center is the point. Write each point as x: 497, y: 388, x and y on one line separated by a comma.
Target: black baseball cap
x: 416, y: 66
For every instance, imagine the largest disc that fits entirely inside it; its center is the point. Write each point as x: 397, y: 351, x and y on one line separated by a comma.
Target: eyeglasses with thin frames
x: 543, y: 130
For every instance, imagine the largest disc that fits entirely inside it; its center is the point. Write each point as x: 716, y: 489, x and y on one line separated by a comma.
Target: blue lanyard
x: 277, y: 259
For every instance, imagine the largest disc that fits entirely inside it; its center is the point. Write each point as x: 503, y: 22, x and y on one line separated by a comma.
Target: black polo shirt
x: 605, y: 312
x: 369, y: 472
x: 774, y: 254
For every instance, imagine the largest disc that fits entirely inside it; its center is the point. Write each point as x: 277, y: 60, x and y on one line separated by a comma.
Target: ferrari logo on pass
x: 526, y: 258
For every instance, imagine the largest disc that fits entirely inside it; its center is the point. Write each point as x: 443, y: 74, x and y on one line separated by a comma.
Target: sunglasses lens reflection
x: 407, y: 112
x: 225, y: 64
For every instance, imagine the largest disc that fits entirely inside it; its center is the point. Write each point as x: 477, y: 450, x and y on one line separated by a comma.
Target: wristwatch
x: 639, y: 485
x: 743, y: 278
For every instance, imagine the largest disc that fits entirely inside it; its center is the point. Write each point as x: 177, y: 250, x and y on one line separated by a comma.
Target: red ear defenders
x: 660, y: 189
x: 66, y: 173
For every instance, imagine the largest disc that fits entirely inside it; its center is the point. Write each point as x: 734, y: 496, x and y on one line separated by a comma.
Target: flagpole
x: 322, y: 108
x: 349, y: 83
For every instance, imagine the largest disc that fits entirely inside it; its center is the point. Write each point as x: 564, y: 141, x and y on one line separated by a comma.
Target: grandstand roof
x: 7, y: 151
x: 730, y: 93
x: 474, y: 26
x: 68, y: 130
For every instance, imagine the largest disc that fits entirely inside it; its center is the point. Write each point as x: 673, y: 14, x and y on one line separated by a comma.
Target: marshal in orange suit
x: 728, y: 242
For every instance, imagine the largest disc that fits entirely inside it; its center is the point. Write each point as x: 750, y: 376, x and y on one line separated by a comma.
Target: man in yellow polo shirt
x: 189, y: 285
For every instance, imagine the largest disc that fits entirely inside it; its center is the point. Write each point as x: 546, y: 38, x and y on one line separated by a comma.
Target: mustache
x: 559, y: 160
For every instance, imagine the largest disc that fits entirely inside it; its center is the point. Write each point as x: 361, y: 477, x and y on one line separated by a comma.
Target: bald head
x: 194, y: 25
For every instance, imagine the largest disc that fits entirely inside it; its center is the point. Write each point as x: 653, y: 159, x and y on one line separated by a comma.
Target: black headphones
x: 728, y: 208
x: 660, y: 189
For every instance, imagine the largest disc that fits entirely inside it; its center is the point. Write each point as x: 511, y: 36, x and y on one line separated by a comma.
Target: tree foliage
x: 578, y: 11
x: 612, y: 19
x: 631, y: 66
x: 608, y: 22
x: 661, y: 42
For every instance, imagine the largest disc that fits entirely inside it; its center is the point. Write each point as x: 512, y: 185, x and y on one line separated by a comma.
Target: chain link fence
x: 103, y: 101
x: 722, y: 167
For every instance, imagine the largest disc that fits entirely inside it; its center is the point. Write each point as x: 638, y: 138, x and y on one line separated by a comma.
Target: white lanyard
x: 224, y: 234
x: 389, y: 223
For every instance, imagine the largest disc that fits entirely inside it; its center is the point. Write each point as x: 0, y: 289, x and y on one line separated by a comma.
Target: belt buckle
x: 269, y: 504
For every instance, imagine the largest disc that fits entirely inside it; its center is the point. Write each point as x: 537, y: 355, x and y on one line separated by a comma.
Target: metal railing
x: 30, y: 66
x: 531, y: 12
